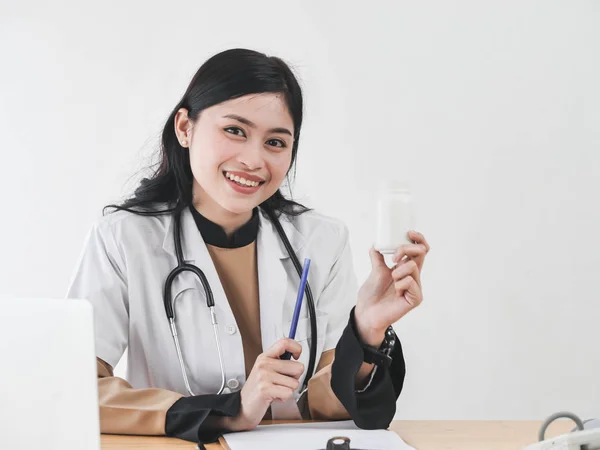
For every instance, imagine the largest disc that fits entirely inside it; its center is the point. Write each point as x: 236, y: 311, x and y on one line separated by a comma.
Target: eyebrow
x: 253, y: 125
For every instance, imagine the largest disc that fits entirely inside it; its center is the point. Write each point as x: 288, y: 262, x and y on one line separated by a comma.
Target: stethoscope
x: 185, y: 267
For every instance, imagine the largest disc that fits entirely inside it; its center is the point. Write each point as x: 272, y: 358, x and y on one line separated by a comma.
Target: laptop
x: 48, y: 380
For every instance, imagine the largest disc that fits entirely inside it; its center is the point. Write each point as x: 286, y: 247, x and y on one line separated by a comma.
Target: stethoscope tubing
x: 185, y: 267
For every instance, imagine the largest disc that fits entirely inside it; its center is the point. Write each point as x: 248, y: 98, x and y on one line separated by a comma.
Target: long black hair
x: 227, y: 75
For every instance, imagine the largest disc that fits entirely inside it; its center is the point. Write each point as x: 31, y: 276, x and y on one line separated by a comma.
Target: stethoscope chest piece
x: 339, y: 443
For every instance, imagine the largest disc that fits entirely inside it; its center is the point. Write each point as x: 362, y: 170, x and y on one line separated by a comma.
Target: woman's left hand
x: 388, y: 294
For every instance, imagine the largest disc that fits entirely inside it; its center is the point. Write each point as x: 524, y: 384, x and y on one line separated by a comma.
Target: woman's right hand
x: 270, y: 379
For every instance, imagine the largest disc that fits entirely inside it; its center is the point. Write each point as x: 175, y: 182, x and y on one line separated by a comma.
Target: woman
x: 226, y: 149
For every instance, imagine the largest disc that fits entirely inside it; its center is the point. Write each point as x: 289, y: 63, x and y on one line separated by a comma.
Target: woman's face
x: 240, y: 152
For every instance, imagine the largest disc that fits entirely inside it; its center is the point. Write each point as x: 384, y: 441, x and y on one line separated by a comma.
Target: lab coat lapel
x: 192, y: 244
x: 273, y: 279
x: 274, y: 285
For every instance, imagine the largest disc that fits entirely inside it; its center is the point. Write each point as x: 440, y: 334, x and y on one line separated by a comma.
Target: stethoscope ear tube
x: 167, y: 295
x: 210, y: 301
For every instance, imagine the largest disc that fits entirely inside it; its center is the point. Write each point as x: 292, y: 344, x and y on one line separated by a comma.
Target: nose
x: 252, y: 156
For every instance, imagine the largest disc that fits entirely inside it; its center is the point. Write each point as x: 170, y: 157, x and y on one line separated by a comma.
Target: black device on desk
x: 340, y: 443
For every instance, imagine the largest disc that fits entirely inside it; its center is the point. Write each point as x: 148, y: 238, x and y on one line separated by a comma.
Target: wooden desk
x: 421, y: 434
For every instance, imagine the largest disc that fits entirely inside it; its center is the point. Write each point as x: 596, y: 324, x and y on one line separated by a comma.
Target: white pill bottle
x: 395, y: 216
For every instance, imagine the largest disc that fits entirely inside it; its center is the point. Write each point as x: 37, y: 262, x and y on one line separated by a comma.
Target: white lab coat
x: 123, y: 268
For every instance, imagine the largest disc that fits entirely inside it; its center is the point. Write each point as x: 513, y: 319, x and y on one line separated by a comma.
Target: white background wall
x: 491, y: 110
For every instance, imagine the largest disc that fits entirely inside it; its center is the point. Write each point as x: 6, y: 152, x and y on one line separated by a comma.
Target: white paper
x: 313, y: 436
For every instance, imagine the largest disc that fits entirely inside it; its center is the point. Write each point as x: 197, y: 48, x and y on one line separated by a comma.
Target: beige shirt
x: 125, y: 410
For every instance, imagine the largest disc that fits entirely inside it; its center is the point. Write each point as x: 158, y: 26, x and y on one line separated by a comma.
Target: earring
x: 183, y: 143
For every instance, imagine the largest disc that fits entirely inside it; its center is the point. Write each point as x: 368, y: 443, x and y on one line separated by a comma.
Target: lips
x: 241, y: 188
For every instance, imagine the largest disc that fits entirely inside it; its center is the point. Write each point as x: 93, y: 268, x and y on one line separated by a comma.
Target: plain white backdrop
x: 490, y: 110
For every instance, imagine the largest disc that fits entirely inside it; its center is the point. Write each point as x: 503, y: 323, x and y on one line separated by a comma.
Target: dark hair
x: 227, y: 75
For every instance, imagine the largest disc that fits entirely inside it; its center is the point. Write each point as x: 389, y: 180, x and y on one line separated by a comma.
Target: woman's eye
x: 277, y: 141
x: 235, y: 130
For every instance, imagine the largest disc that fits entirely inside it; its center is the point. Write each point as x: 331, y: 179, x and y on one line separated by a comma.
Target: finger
x: 410, y: 290
x: 410, y: 268
x: 288, y: 368
x: 413, y: 250
x: 376, y: 258
x: 419, y: 239
x: 285, y: 381
x: 416, y: 252
x: 284, y: 345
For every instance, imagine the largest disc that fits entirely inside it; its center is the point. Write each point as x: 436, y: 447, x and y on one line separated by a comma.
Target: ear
x: 182, y: 126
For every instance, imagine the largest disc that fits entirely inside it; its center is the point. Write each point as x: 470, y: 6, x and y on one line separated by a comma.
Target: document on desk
x: 313, y: 436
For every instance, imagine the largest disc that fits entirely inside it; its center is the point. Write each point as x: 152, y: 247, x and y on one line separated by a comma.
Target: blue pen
x: 298, y: 307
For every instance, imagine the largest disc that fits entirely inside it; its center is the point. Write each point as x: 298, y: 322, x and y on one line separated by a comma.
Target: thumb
x: 377, y: 260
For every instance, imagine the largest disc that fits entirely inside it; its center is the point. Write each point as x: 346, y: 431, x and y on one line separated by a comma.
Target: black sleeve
x: 186, y: 419
x: 375, y: 407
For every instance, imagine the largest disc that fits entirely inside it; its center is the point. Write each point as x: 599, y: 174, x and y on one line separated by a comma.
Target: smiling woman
x: 209, y: 240
x: 240, y: 102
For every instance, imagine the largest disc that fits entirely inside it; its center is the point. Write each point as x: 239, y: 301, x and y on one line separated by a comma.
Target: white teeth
x: 241, y: 181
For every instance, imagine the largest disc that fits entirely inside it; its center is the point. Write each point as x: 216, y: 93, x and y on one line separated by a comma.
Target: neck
x: 214, y: 212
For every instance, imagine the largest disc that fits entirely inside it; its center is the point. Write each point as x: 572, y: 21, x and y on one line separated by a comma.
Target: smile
x: 242, y: 185
x: 242, y: 181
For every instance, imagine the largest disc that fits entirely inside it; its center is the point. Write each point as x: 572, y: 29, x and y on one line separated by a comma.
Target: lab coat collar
x: 193, y: 244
